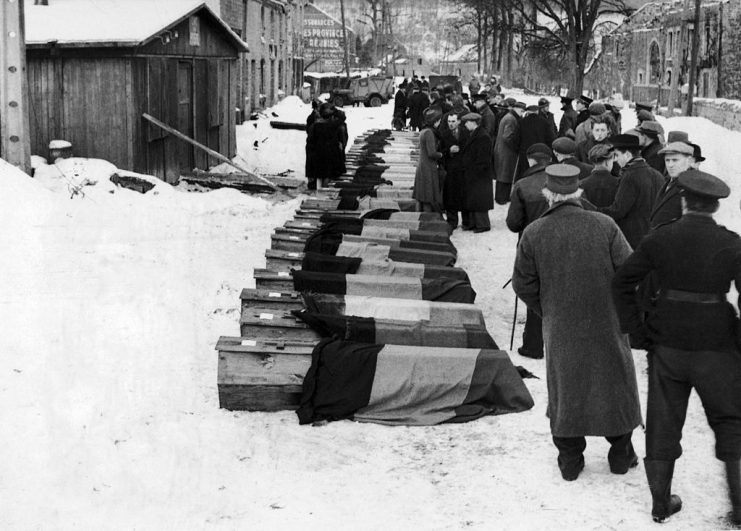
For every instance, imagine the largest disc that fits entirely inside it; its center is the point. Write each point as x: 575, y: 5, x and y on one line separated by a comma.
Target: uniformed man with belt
x: 690, y: 335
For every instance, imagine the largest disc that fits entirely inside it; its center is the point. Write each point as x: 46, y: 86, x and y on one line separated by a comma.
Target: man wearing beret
x: 691, y: 336
x: 564, y: 150
x: 568, y: 118
x: 507, y: 152
x: 477, y: 184
x: 637, y: 191
x: 592, y: 389
x: 668, y: 207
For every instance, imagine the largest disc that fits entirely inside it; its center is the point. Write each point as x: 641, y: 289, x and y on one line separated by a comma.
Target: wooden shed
x: 94, y: 67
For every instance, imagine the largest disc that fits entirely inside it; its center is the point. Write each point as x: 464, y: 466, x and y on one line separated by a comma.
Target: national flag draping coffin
x: 436, y: 313
x: 374, y: 252
x: 436, y: 289
x: 407, y: 385
x: 387, y: 331
x: 349, y: 266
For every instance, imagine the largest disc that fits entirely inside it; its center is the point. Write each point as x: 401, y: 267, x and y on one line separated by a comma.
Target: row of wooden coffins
x: 361, y: 313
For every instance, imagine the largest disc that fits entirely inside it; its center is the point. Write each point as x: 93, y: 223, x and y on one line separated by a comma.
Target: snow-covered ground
x: 111, y: 305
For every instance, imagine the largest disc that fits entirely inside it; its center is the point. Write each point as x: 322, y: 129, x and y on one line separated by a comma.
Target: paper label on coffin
x: 274, y: 294
x: 249, y: 343
x: 283, y: 273
x: 266, y: 316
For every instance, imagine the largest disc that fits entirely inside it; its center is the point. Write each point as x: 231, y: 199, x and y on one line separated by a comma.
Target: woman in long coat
x: 427, y: 186
x: 563, y: 271
x: 324, y: 160
x: 478, y: 195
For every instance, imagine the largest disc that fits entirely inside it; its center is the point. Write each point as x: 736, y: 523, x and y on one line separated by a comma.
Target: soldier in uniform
x: 691, y: 336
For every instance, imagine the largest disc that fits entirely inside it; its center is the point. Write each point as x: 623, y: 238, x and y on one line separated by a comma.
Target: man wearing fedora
x: 691, y: 336
x: 637, y: 191
x: 668, y: 207
x: 544, y: 109
x: 650, y: 133
x: 592, y: 389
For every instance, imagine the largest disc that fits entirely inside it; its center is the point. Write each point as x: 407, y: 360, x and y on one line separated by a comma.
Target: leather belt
x: 692, y: 296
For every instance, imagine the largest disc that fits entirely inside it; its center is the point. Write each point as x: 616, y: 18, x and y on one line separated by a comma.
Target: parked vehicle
x: 372, y: 91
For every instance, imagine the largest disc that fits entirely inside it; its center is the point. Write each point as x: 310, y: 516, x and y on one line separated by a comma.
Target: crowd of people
x: 618, y: 248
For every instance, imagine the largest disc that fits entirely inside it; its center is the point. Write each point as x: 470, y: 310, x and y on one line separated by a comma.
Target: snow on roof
x: 128, y: 23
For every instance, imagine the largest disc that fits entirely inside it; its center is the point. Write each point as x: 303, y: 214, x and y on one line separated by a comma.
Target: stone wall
x: 726, y: 113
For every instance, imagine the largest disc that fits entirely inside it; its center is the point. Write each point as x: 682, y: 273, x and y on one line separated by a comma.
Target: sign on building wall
x: 323, y: 41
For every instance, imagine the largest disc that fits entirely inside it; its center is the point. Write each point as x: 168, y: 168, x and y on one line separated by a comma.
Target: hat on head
x: 479, y: 97
x: 696, y: 152
x: 539, y: 149
x: 600, y: 152
x: 644, y: 115
x: 542, y: 102
x: 645, y: 106
x: 650, y: 128
x: 596, y: 108
x: 432, y: 115
x: 673, y: 148
x: 677, y: 136
x: 509, y: 102
x: 562, y: 178
x: 624, y: 141
x: 586, y: 100
x: 532, y: 108
x: 471, y: 117
x: 519, y: 105
x: 565, y: 100
x: 564, y: 145
x: 703, y: 184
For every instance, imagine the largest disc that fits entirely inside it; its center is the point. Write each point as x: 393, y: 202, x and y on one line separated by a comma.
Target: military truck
x: 372, y: 91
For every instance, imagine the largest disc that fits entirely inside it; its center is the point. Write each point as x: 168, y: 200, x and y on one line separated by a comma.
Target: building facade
x: 273, y: 67
x: 641, y: 56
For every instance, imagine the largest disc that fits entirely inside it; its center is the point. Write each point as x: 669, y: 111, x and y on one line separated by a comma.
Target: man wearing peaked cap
x: 691, y: 336
x: 597, y: 353
x: 581, y: 104
x: 668, y: 206
x: 637, y: 191
x: 568, y: 118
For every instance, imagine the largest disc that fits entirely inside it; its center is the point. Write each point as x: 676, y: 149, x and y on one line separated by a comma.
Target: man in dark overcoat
x: 418, y: 102
x: 400, y: 108
x: 691, y: 336
x: 563, y: 150
x: 581, y: 104
x: 477, y: 183
x: 507, y: 152
x: 637, y: 191
x: 527, y: 203
x: 668, y: 207
x: 650, y: 144
x: 567, y: 126
x: 453, y: 136
x: 544, y: 108
x: 488, y: 119
x: 325, y: 159
x: 592, y: 389
x: 601, y: 185
x: 534, y: 129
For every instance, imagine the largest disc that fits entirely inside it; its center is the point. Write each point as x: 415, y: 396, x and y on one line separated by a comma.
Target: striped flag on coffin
x: 405, y: 385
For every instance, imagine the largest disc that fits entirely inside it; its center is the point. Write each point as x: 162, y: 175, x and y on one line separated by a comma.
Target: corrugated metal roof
x: 108, y: 22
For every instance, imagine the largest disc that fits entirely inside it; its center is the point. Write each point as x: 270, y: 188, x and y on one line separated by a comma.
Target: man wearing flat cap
x: 507, y: 152
x: 563, y: 270
x: 691, y: 336
x: 568, y: 118
x: 478, y: 196
x: 637, y: 191
x: 668, y: 207
x: 564, y: 150
x: 601, y: 185
x: 650, y: 134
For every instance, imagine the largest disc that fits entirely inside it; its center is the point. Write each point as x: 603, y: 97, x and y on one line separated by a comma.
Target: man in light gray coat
x: 565, y: 263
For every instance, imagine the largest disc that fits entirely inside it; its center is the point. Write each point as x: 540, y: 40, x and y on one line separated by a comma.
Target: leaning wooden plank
x: 263, y: 374
x: 277, y: 124
x: 238, y: 179
x: 214, y: 154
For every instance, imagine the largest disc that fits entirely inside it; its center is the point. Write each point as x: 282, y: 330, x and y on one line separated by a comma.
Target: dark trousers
x: 716, y: 376
x: 502, y: 192
x: 451, y: 216
x: 479, y: 219
x: 532, y: 336
x: 466, y: 219
x: 620, y: 456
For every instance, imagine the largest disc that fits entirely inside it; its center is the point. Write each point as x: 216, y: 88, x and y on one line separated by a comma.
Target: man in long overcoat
x: 668, y: 207
x: 507, y: 152
x: 567, y: 126
x: 477, y: 183
x: 417, y: 103
x: 400, y: 108
x: 534, y: 129
x: 428, y: 191
x: 453, y: 136
x: 563, y: 270
x: 324, y: 155
x: 637, y: 191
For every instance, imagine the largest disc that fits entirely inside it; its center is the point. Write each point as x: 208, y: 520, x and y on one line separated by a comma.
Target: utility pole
x: 678, y: 42
x: 693, y: 61
x: 15, y: 137
x: 344, y: 36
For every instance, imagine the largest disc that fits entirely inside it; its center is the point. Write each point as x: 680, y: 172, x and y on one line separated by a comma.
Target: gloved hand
x: 640, y: 338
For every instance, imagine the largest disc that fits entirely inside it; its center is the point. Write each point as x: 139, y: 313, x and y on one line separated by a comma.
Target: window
x: 654, y: 62
x: 262, y: 20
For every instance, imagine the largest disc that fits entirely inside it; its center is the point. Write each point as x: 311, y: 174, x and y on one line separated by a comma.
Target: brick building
x: 272, y: 30
x: 638, y: 57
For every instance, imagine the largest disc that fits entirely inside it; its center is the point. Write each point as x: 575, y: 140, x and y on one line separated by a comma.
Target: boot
x: 659, y: 475
x: 733, y: 476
